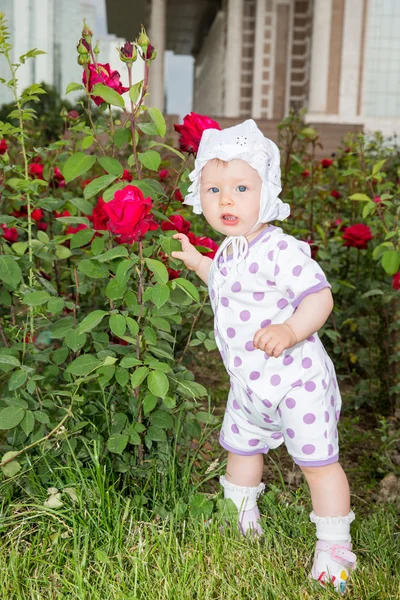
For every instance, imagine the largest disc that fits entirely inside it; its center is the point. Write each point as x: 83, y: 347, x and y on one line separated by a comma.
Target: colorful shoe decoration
x: 333, y: 564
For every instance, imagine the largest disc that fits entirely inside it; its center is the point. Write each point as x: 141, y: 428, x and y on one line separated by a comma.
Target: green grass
x: 105, y: 546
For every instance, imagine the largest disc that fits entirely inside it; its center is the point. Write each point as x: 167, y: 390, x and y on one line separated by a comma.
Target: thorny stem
x: 176, y: 184
x: 192, y: 328
x: 140, y: 300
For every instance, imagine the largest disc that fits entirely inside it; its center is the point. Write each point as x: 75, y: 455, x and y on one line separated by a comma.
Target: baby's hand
x: 190, y: 256
x: 274, y: 339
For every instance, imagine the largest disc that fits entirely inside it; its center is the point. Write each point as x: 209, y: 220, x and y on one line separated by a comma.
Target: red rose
x: 178, y: 195
x: 36, y: 170
x: 59, y: 178
x: 163, y: 174
x: 86, y: 182
x: 73, y: 230
x: 335, y: 194
x: 377, y: 199
x: 128, y: 214
x: 173, y: 274
x: 305, y: 173
x: 11, y: 235
x: 204, y: 241
x: 37, y: 214
x: 358, y: 236
x: 27, y: 339
x: 22, y: 212
x: 99, y: 215
x: 65, y: 213
x: 73, y: 114
x: 126, y: 175
x: 3, y: 146
x: 396, y: 282
x: 178, y: 223
x: 192, y: 130
x: 42, y: 225
x: 326, y: 162
x: 103, y: 74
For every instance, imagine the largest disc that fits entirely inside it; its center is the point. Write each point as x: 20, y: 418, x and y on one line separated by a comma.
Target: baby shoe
x: 333, y: 563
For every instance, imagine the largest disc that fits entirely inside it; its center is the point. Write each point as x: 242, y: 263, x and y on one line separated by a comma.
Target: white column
x: 21, y: 41
x: 258, y: 59
x: 320, y: 56
x: 351, y: 59
x: 233, y: 58
x: 157, y: 36
x: 42, y: 38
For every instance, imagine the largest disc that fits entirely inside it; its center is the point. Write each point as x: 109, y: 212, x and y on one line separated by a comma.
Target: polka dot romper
x: 293, y: 398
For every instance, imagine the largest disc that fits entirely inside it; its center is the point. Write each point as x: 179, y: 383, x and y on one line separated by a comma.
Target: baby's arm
x: 192, y: 258
x: 309, y: 317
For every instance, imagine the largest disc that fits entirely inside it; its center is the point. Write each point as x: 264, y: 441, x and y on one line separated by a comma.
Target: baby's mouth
x: 229, y: 219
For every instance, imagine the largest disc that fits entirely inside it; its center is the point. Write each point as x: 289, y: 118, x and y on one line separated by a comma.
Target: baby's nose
x: 225, y: 199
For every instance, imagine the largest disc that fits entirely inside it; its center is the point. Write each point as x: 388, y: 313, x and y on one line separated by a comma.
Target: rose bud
x: 128, y: 53
x: 151, y: 53
x: 143, y: 41
x: 96, y: 49
x: 83, y: 47
x: 87, y: 33
x: 83, y: 59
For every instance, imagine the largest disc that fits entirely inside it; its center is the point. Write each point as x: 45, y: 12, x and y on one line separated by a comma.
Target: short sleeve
x: 296, y: 274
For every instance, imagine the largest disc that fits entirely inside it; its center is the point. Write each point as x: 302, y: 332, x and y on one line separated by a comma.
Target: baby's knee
x: 314, y: 473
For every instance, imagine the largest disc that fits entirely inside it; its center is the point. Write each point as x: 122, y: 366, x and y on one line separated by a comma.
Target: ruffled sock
x: 245, y: 500
x: 333, y: 559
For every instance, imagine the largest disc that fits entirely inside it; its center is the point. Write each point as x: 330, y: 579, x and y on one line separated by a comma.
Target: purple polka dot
x: 334, y: 382
x: 311, y: 339
x: 308, y: 449
x: 230, y: 332
x: 332, y: 400
x: 306, y: 362
x: 319, y: 277
x: 235, y: 428
x: 290, y: 433
x: 309, y: 418
x: 266, y: 357
x: 224, y: 271
x: 277, y: 269
x: 265, y: 323
x: 270, y: 255
x: 236, y: 287
x: 236, y: 405
x: 224, y: 301
x: 271, y: 283
x: 288, y: 360
x: 275, y: 380
x: 244, y: 315
x: 282, y: 303
x: 254, y: 442
x: 247, y: 410
x: 212, y: 294
x: 237, y: 361
x: 290, y: 293
x: 330, y: 450
x: 297, y: 383
x: 297, y: 270
x: 258, y: 296
x: 324, y: 384
x: 249, y: 346
x: 266, y: 239
x: 254, y: 375
x: 326, y: 416
x: 267, y: 403
x: 290, y: 402
x: 282, y: 245
x: 337, y: 415
x: 253, y: 267
x: 268, y: 419
x: 310, y: 386
x: 277, y: 435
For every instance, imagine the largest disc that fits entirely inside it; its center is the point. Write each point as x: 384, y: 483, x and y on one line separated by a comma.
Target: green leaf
x: 152, y: 143
x: 72, y: 87
x: 200, y: 506
x: 115, y: 290
x: 10, y: 272
x: 360, y: 197
x: 87, y: 142
x: 116, y: 252
x: 148, y: 128
x: 60, y: 355
x: 12, y: 467
x: 391, y: 261
x: 91, y: 321
x: 19, y: 248
x: 108, y: 95
x: 129, y: 361
x: 378, y: 166
x: 7, y: 359
x: 83, y: 365
x: 109, y: 193
x: 138, y: 376
x: 158, y: 384
x: 121, y: 376
x: 122, y: 136
x: 83, y: 205
x: 158, y: 269
x: 117, y: 443
x: 28, y: 422
x: 36, y: 298
x: 191, y: 389
x: 150, y: 335
x: 160, y: 294
x: 11, y: 416
x: 158, y: 119
x: 155, y: 434
x: 74, y: 220
x: 150, y: 159
x: 97, y: 246
x: 17, y: 379
x: 81, y: 238
x: 117, y: 325
x: 111, y: 165
x: 62, y: 252
x: 162, y: 419
x: 75, y: 340
x: 98, y: 184
x: 187, y: 287
x: 149, y: 403
x: 93, y: 269
x: 76, y: 165
x: 135, y: 90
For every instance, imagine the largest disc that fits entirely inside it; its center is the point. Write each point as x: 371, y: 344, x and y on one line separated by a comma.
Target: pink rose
x: 103, y: 74
x: 129, y: 214
x: 192, y: 130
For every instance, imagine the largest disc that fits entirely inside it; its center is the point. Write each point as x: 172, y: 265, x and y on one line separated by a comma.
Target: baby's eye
x: 241, y: 188
x: 214, y: 190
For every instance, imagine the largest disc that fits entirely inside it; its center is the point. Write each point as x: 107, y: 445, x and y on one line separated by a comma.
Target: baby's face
x: 230, y: 196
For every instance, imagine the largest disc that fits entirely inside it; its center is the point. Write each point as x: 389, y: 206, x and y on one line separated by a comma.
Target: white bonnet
x: 246, y: 142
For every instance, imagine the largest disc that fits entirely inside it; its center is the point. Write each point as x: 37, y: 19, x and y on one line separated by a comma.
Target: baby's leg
x: 242, y: 485
x: 330, y: 497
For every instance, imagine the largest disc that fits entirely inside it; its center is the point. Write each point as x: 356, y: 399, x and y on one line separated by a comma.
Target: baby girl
x: 269, y: 299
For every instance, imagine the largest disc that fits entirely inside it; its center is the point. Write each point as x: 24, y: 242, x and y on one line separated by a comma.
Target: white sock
x: 333, y: 529
x: 244, y: 498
